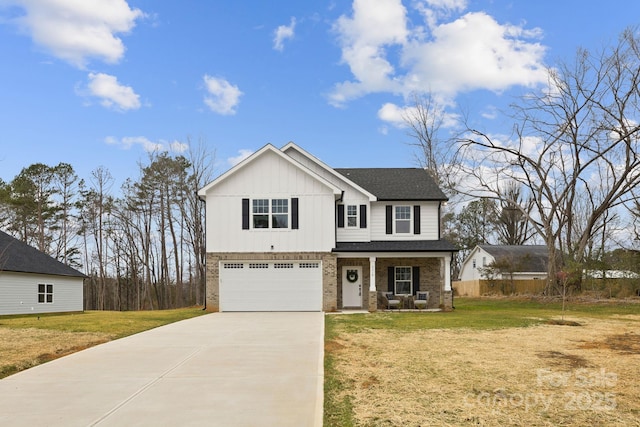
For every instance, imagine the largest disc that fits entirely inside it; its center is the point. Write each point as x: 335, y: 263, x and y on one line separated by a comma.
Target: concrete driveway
x: 223, y: 369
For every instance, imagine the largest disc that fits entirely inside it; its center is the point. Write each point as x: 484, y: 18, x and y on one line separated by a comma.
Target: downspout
x: 205, y: 250
x: 335, y: 210
x: 453, y: 306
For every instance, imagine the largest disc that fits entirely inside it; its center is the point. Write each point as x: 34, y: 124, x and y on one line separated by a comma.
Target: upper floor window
x: 352, y: 216
x: 280, y: 213
x: 260, y: 213
x: 403, y: 219
x: 272, y: 213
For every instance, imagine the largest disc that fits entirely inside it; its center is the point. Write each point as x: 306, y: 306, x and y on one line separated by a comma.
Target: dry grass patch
x: 26, y: 341
x: 544, y: 375
x: 23, y: 348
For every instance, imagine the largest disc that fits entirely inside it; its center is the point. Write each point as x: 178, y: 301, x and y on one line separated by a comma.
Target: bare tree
x: 577, y: 138
x: 512, y: 224
x: 435, y: 142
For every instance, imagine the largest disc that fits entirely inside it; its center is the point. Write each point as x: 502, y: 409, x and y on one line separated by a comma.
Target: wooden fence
x: 476, y: 288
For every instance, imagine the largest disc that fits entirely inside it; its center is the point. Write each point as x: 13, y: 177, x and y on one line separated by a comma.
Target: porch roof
x: 396, y: 246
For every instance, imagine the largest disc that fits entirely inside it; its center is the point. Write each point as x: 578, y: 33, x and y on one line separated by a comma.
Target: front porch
x: 363, y: 278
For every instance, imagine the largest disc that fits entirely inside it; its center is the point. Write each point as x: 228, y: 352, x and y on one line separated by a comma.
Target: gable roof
x: 267, y: 148
x: 532, y: 258
x: 17, y: 256
x: 291, y: 146
x: 395, y: 183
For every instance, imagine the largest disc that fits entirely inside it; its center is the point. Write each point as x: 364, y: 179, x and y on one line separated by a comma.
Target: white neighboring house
x: 529, y: 261
x: 286, y: 232
x: 33, y: 282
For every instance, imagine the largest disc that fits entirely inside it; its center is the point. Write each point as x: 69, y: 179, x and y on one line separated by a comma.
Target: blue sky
x: 101, y: 82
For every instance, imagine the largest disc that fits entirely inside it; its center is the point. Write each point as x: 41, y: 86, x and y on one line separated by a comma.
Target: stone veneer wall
x: 431, y: 277
x: 329, y: 273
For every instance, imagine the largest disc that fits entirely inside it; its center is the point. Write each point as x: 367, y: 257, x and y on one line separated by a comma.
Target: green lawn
x: 118, y: 324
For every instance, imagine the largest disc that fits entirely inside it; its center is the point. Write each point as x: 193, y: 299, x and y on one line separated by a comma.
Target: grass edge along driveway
x: 29, y: 340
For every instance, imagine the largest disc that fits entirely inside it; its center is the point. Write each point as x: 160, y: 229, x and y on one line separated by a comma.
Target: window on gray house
x: 45, y: 293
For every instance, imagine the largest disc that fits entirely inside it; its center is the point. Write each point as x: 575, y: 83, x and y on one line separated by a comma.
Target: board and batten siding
x: 428, y: 221
x: 270, y: 177
x: 19, y: 293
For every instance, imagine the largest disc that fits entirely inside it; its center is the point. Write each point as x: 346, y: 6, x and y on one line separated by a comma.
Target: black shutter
x: 245, y: 214
x: 416, y: 219
x: 340, y: 216
x: 415, y: 277
x: 363, y: 216
x: 389, y: 219
x: 294, y: 213
x: 391, y: 279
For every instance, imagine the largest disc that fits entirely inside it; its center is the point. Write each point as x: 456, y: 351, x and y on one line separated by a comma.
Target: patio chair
x: 392, y: 300
x: 421, y: 299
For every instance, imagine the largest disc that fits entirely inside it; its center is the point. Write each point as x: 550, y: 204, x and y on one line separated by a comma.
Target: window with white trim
x: 45, y: 293
x: 403, y: 219
x: 280, y: 213
x: 272, y: 213
x: 403, y: 281
x: 352, y: 216
x: 260, y: 213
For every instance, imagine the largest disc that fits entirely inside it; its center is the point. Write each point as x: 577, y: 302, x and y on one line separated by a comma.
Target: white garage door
x: 270, y: 286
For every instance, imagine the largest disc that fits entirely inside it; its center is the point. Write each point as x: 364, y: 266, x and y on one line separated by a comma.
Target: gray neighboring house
x: 33, y: 282
x: 529, y: 261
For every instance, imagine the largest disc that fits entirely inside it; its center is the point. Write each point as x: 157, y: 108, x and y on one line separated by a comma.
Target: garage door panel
x: 271, y: 286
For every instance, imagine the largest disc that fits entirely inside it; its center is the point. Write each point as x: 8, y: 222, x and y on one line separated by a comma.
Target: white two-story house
x: 286, y: 232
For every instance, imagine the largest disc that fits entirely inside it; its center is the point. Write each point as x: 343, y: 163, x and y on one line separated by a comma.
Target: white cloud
x: 242, y: 154
x: 111, y: 93
x: 147, y: 145
x: 375, y: 25
x: 223, y: 97
x: 476, y: 52
x: 282, y: 33
x: 470, y: 52
x: 395, y: 115
x: 76, y: 30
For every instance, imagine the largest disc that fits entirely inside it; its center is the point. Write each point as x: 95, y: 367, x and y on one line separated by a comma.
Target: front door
x: 351, y: 286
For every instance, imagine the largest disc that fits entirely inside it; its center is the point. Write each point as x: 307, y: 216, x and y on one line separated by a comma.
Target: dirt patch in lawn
x: 545, y: 375
x: 23, y: 348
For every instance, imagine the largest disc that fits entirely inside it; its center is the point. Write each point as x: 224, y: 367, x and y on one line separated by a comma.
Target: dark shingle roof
x: 531, y: 258
x: 396, y: 246
x: 395, y: 183
x: 17, y: 256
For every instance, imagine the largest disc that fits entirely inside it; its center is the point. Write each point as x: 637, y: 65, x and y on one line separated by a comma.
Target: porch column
x: 373, y: 294
x: 447, y: 273
x: 447, y: 297
x: 372, y: 274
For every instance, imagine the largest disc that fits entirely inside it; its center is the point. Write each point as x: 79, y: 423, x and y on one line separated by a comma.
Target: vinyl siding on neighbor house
x: 19, y: 293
